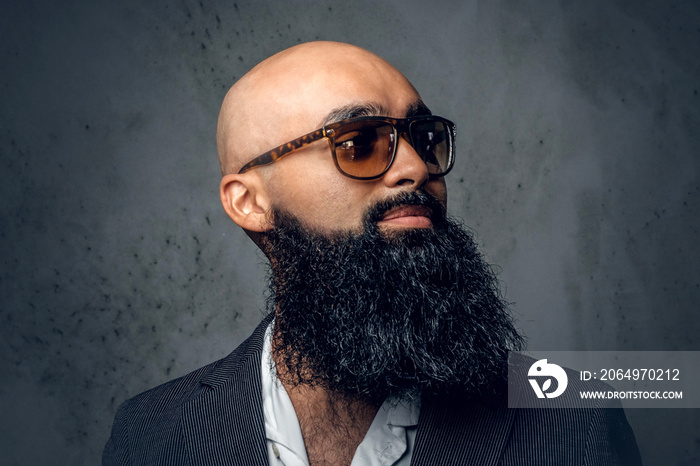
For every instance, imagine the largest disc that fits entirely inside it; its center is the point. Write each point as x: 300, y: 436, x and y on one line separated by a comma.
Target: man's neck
x: 332, y: 428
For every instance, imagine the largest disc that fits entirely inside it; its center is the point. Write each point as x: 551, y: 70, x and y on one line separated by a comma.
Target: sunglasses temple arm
x: 278, y: 152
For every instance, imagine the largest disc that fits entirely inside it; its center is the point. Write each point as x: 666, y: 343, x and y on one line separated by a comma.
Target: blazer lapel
x: 454, y: 432
x: 223, y: 422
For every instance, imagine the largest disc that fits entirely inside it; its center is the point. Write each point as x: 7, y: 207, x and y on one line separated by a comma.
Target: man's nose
x: 408, y: 169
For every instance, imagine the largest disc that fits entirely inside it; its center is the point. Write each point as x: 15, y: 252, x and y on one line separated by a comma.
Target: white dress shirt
x: 388, y: 442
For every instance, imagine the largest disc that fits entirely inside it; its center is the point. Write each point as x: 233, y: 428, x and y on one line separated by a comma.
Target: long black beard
x: 373, y: 315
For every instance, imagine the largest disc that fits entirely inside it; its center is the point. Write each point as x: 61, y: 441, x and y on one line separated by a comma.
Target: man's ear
x: 245, y: 200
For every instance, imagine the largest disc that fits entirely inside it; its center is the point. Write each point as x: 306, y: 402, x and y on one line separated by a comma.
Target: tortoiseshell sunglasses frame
x: 400, y: 127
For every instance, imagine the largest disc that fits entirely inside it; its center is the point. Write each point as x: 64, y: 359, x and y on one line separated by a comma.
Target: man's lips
x: 414, y: 216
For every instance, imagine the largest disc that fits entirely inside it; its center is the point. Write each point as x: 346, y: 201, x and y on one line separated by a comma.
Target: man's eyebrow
x: 418, y: 109
x: 353, y: 111
x: 371, y: 109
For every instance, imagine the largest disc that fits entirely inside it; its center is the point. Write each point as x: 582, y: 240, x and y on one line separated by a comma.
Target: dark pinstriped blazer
x: 214, y: 416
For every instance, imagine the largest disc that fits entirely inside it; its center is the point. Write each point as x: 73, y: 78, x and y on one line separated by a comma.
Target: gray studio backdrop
x: 577, y: 166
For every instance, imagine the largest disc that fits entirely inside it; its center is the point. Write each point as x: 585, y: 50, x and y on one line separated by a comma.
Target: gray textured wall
x: 578, y: 167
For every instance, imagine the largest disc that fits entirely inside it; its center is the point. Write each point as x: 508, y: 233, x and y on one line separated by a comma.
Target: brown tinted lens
x: 431, y: 139
x: 364, y: 148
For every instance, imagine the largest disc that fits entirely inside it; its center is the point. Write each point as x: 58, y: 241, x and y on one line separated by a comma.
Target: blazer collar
x: 223, y: 423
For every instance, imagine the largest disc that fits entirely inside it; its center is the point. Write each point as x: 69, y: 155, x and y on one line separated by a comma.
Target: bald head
x: 293, y: 93
x: 296, y: 92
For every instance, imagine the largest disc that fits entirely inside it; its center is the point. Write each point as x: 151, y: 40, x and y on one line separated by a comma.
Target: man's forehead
x: 328, y: 97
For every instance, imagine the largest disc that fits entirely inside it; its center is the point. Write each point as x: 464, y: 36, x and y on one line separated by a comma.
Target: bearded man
x: 387, y: 338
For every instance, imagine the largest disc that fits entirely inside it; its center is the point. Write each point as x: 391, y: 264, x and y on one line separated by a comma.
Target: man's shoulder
x: 150, y: 427
x: 171, y: 394
x: 175, y: 392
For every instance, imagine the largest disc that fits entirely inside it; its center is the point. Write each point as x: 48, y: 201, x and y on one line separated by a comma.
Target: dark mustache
x: 414, y: 198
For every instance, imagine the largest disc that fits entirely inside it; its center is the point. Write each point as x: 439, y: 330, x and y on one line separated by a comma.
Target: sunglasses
x: 364, y: 148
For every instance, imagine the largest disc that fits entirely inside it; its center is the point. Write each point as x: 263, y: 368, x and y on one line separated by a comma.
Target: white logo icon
x: 542, y: 369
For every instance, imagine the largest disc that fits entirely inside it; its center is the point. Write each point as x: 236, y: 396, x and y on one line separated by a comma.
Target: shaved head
x: 298, y: 90
x: 291, y: 94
